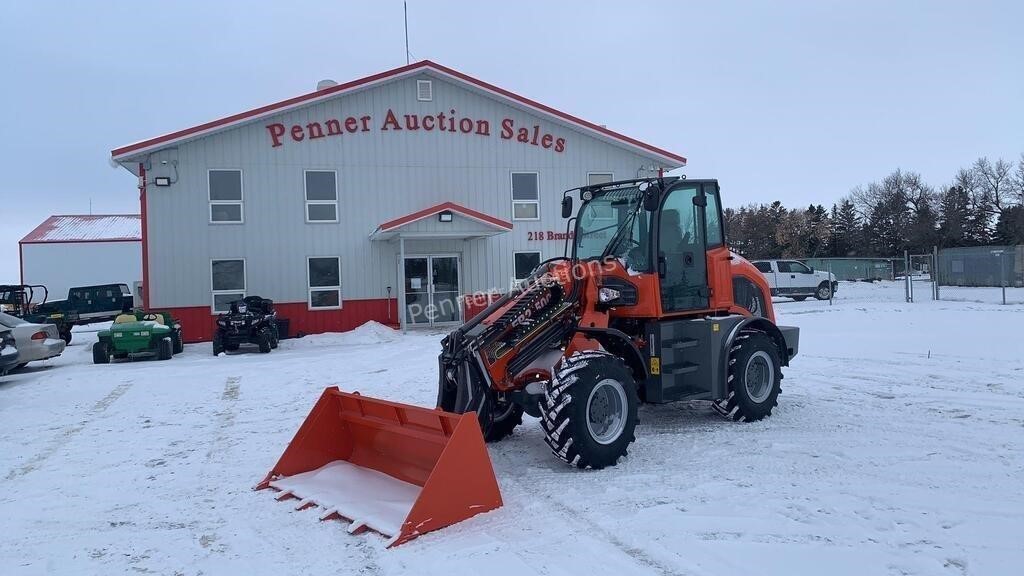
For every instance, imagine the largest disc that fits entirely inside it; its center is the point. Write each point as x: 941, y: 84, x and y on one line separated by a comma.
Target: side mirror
x: 700, y: 200
x: 566, y: 206
x: 812, y: 269
x: 652, y: 197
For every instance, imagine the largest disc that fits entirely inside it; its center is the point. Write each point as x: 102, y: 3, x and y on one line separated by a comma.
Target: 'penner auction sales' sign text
x: 507, y: 129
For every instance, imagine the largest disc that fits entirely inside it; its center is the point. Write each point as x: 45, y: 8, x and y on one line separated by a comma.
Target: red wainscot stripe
x: 198, y: 322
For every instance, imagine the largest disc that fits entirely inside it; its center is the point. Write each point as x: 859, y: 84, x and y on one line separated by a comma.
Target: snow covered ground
x: 897, y: 448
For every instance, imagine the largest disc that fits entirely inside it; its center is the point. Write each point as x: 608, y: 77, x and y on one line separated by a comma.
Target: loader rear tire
x: 589, y: 412
x: 505, y: 416
x: 754, y: 380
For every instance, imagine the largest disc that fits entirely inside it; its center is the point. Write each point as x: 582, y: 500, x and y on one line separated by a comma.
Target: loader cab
x: 657, y: 229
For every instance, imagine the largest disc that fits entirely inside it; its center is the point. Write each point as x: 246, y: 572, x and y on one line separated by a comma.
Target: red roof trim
x: 458, y: 209
x: 425, y: 64
x: 139, y: 239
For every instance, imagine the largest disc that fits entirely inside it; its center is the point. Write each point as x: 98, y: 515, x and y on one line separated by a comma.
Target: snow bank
x: 368, y: 334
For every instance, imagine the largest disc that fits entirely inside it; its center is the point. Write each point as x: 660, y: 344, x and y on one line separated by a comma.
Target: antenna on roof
x: 90, y: 206
x: 405, y: 10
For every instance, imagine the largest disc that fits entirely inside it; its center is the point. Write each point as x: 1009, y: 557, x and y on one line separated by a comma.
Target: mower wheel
x: 218, y: 345
x: 505, y: 416
x: 179, y: 344
x: 100, y: 353
x: 264, y: 340
x: 589, y: 412
x: 755, y: 378
x: 165, y: 348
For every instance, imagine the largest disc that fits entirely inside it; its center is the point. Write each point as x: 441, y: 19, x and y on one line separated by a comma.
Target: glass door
x: 417, y: 290
x: 444, y: 289
x: 432, y: 286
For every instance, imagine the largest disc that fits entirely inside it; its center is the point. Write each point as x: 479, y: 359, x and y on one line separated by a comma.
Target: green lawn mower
x: 139, y: 335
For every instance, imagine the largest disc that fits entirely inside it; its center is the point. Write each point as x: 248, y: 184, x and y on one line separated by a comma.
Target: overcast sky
x: 795, y: 101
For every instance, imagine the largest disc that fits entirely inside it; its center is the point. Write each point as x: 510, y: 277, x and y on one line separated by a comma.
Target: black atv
x: 251, y: 320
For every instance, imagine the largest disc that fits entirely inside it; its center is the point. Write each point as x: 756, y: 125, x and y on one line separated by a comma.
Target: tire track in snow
x: 70, y: 432
x: 525, y: 483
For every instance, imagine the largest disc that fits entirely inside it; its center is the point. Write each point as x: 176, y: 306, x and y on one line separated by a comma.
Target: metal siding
x: 381, y: 176
x: 60, y: 266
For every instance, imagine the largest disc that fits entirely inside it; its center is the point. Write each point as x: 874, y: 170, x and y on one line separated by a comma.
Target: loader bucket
x: 396, y: 469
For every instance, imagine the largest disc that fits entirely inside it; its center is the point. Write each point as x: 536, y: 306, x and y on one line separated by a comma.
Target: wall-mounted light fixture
x: 445, y: 216
x: 162, y: 181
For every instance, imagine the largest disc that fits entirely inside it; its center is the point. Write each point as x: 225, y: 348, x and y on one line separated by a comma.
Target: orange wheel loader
x: 648, y: 305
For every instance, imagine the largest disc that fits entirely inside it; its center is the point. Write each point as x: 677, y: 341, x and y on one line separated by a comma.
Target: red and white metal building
x: 389, y: 198
x: 79, y: 250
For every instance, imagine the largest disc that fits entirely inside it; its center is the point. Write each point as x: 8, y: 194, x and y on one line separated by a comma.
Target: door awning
x: 447, y: 220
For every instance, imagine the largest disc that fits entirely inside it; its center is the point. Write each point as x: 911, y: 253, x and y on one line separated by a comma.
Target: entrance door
x: 432, y: 290
x: 682, y: 266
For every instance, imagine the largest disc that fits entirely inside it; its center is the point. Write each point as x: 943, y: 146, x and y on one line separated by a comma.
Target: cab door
x: 681, y: 247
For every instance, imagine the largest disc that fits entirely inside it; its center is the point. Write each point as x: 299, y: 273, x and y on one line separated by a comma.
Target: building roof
x: 90, y: 228
x: 125, y: 152
x: 490, y: 225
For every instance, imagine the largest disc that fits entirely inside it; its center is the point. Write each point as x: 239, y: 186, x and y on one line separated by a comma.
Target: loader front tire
x: 589, y: 412
x: 754, y: 378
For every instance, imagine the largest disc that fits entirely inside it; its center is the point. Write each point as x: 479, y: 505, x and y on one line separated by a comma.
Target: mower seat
x: 125, y: 318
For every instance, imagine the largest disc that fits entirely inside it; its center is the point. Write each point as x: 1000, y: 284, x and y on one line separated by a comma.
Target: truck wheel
x: 165, y: 348
x: 179, y: 343
x: 100, y: 353
x: 755, y: 378
x: 824, y: 291
x: 66, y: 336
x: 264, y: 341
x: 506, y: 415
x: 589, y: 411
x: 218, y: 345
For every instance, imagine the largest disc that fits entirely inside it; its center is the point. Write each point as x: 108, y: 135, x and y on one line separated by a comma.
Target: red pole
x: 145, y: 237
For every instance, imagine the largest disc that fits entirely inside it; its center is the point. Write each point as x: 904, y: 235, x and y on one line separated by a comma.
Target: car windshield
x: 10, y: 321
x: 613, y: 223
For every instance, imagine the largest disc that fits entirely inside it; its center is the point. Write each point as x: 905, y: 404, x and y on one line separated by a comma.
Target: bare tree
x: 996, y: 180
x: 1018, y: 179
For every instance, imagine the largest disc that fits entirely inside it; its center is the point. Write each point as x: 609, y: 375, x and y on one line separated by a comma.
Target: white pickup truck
x: 796, y: 280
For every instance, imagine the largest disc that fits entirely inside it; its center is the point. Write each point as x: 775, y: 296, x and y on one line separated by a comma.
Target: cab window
x: 714, y: 219
x: 765, y: 267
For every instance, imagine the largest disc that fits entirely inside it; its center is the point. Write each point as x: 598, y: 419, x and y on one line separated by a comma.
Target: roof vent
x: 325, y: 83
x: 424, y: 90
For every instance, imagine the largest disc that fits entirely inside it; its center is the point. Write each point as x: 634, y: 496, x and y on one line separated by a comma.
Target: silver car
x: 34, y: 341
x: 8, y: 351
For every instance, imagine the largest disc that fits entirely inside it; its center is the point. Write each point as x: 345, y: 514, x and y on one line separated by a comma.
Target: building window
x: 225, y: 196
x: 321, y: 196
x: 525, y: 263
x: 424, y: 90
x: 228, y: 280
x: 601, y: 212
x: 525, y: 196
x: 324, y: 282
